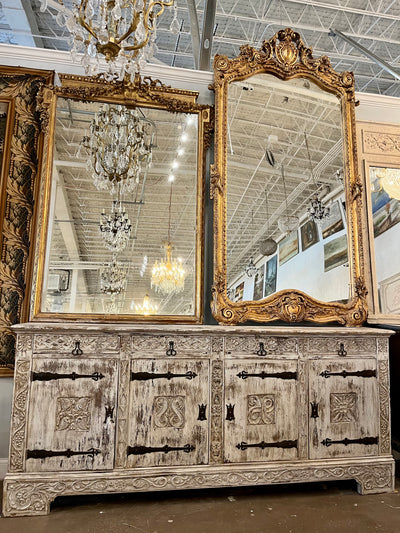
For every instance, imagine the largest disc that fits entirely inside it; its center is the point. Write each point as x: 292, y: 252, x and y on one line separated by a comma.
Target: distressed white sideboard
x: 125, y: 408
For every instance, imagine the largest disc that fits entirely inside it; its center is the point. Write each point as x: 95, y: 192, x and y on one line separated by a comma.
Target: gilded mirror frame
x: 146, y: 93
x: 286, y: 57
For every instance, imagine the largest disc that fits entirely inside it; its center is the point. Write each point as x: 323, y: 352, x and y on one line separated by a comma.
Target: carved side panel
x: 20, y: 166
x: 64, y: 344
x: 384, y: 407
x: 331, y: 345
x: 19, y: 416
x: 123, y: 404
x: 216, y: 439
x: 250, y: 344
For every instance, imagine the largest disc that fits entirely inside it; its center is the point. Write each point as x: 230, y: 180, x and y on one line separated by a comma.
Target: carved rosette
x: 20, y: 87
x: 285, y: 56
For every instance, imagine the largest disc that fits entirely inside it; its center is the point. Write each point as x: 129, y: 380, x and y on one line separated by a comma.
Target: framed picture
x: 259, y: 283
x: 335, y: 253
x: 270, y: 276
x: 239, y: 292
x: 385, y: 210
x: 333, y: 223
x: 309, y: 234
x: 288, y: 247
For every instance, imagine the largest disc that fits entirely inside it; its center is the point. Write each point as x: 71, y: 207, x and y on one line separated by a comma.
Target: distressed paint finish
x: 347, y: 407
x: 51, y: 429
x: 159, y: 412
x: 156, y: 419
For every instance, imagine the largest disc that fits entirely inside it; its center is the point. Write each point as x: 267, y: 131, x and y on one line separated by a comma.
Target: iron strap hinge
x: 263, y: 375
x: 49, y: 376
x: 346, y: 374
x: 141, y: 450
x: 143, y: 376
x: 366, y: 441
x: 42, y: 454
x: 263, y: 445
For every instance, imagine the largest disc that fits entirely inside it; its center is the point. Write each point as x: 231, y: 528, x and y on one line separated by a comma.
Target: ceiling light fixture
x: 112, y: 278
x: 317, y: 211
x: 287, y: 223
x: 146, y: 308
x: 121, y: 31
x: 115, y: 227
x: 119, y: 146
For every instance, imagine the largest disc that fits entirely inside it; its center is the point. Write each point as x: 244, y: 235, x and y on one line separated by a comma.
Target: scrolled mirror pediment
x: 287, y: 195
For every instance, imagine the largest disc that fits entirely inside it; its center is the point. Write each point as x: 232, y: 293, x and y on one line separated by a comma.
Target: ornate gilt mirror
x: 287, y: 195
x: 121, y: 225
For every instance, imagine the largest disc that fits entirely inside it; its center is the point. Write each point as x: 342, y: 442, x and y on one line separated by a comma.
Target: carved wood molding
x: 20, y: 171
x: 286, y: 57
x: 27, y: 497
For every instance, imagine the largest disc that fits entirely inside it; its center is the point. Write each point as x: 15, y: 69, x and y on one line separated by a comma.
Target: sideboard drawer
x: 75, y: 345
x: 253, y: 345
x: 171, y: 345
x: 340, y: 346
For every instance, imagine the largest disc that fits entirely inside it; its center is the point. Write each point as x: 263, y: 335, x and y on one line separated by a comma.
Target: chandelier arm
x: 131, y: 29
x: 81, y: 19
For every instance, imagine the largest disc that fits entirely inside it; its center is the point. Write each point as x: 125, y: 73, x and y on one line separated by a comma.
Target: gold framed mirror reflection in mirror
x: 287, y: 195
x: 122, y: 210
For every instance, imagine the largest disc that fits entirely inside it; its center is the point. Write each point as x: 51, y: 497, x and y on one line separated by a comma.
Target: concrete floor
x: 309, y: 508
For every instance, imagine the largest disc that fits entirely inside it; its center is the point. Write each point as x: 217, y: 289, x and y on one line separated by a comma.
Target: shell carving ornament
x: 286, y: 57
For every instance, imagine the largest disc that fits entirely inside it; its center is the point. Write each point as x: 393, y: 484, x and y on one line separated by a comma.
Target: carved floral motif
x: 19, y: 415
x: 387, y: 143
x: 216, y: 443
x: 261, y: 409
x: 73, y: 414
x: 343, y: 407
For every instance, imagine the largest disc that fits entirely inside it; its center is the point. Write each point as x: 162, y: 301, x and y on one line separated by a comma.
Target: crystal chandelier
x: 251, y: 268
x: 168, y: 275
x: 267, y: 245
x: 317, y: 211
x: 146, y: 308
x: 122, y: 31
x: 389, y: 179
x: 112, y: 278
x: 119, y: 146
x: 115, y: 227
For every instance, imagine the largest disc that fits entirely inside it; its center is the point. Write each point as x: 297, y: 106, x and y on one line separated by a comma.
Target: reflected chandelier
x: 317, y: 211
x: 113, y: 278
x: 122, y: 31
x: 119, y: 146
x: 115, y: 227
x: 146, y: 308
x: 168, y: 275
x: 389, y: 179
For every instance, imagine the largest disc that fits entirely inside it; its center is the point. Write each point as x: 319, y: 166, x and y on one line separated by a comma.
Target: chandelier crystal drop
x: 288, y: 223
x: 317, y: 211
x: 251, y: 268
x: 119, y: 148
x: 113, y: 278
x: 115, y: 227
x: 121, y: 31
x: 168, y: 275
x: 146, y: 308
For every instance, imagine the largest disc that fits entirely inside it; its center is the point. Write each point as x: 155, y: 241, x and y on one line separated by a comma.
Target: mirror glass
x: 385, y: 207
x: 284, y: 150
x: 122, y: 211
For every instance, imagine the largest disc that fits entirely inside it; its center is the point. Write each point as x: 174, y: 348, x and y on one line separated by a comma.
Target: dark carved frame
x: 19, y: 88
x: 286, y: 57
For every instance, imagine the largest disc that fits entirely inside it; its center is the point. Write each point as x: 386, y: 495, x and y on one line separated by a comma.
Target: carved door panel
x: 261, y: 410
x: 343, y: 408
x: 169, y: 412
x: 71, y: 415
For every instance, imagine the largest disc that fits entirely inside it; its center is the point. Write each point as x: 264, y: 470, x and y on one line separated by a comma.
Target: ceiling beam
x: 194, y: 32
x: 207, y: 34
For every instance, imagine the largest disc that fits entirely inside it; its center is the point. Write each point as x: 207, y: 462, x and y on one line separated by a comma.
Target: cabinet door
x: 168, y: 421
x: 261, y: 417
x: 343, y: 408
x: 71, y: 415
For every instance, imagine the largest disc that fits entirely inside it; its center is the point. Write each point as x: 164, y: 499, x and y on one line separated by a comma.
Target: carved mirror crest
x: 287, y: 195
x: 122, y: 209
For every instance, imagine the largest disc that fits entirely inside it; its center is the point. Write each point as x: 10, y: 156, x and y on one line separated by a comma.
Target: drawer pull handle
x: 367, y: 441
x: 141, y: 450
x: 42, y: 454
x: 77, y: 350
x: 171, y: 351
x: 263, y: 375
x: 230, y: 415
x: 263, y: 445
x: 144, y: 376
x: 49, y: 376
x: 314, y: 410
x: 109, y: 414
x: 202, y: 412
x: 342, y: 352
x: 261, y: 352
x: 344, y: 374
